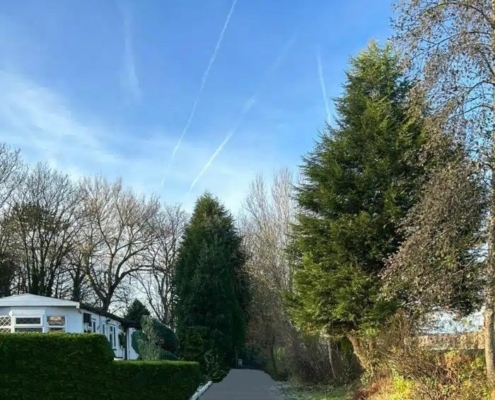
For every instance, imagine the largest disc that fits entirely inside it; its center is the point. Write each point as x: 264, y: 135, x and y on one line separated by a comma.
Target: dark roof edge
x: 125, y: 322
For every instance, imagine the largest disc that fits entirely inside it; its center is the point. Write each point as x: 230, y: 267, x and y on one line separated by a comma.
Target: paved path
x: 244, y: 384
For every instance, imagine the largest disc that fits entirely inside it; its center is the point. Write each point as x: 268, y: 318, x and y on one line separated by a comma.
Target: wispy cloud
x: 251, y: 101
x: 130, y: 80
x: 203, y: 81
x: 40, y: 121
x: 322, y: 83
x: 48, y: 127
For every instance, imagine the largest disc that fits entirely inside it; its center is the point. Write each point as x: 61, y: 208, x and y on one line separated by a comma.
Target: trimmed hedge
x: 65, y: 366
x: 160, y: 380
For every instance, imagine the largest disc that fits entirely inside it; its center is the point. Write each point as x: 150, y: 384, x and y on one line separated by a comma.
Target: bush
x: 80, y: 366
x: 138, y: 340
x: 160, y: 380
x: 309, y: 364
x: 36, y: 364
x: 155, y: 341
x: 160, y: 334
x: 410, y: 371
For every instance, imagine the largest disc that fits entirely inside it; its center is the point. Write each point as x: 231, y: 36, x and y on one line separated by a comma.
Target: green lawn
x: 319, y: 393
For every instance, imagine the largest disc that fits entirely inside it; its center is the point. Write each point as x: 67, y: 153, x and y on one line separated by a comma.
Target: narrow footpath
x: 244, y: 384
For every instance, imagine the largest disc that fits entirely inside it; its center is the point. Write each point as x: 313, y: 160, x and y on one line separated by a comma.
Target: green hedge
x: 80, y: 366
x: 160, y: 380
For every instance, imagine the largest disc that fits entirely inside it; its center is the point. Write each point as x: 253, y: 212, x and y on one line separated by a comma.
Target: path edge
x: 201, y: 391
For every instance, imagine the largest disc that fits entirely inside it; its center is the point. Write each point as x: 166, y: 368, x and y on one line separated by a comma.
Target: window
x: 93, y: 325
x: 28, y: 324
x: 111, y: 337
x: 103, y: 330
x: 19, y: 329
x: 5, y: 324
x: 28, y: 320
x: 55, y: 323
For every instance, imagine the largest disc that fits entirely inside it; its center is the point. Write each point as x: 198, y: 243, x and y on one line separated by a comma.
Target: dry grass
x: 293, y: 392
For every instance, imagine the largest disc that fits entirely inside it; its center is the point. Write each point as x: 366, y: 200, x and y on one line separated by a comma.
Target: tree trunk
x: 360, y: 352
x: 489, y: 318
x: 274, y: 361
x: 489, y: 315
x: 330, y: 359
x: 105, y: 304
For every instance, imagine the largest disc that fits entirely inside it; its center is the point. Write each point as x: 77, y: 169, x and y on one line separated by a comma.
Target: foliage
x: 411, y: 370
x: 308, y: 361
x: 449, y: 47
x: 160, y: 334
x: 194, y: 345
x: 450, y: 376
x: 211, y: 286
x: 138, y: 341
x: 51, y: 366
x: 155, y: 341
x: 174, y: 380
x: 315, y: 392
x: 136, y: 311
x: 438, y: 266
x: 359, y: 182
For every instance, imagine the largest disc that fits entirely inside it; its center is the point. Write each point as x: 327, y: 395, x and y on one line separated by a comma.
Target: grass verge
x: 292, y: 392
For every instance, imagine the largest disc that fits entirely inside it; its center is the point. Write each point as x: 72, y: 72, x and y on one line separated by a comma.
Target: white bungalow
x: 31, y: 313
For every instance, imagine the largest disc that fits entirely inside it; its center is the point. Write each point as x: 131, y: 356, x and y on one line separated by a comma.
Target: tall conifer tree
x: 211, y: 289
x: 360, y: 180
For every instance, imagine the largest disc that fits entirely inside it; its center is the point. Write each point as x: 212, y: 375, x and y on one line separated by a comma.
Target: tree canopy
x: 359, y: 181
x: 136, y: 311
x: 211, y: 287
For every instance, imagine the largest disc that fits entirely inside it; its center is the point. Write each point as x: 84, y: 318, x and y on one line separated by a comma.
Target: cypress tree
x: 360, y: 180
x: 136, y: 311
x: 211, y: 289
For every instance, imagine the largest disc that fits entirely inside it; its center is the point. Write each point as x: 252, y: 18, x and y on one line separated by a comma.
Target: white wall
x: 74, y: 323
x: 73, y: 319
x: 131, y: 354
x: 102, y: 325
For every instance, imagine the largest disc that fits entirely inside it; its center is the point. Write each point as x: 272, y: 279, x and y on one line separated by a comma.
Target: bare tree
x: 12, y: 173
x: 41, y: 225
x: 80, y: 287
x: 450, y: 45
x: 118, y: 232
x: 267, y: 214
x: 156, y: 283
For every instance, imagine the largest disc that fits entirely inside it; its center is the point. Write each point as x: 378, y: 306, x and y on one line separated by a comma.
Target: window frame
x: 15, y: 325
x: 112, y: 333
x: 56, y: 328
x: 6, y: 328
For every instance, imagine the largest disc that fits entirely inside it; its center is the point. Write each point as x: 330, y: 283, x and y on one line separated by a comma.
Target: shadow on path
x: 244, y: 384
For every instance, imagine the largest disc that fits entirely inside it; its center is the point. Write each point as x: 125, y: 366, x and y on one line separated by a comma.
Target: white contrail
x: 251, y: 101
x: 203, y: 80
x: 130, y: 78
x: 207, y: 165
x: 322, y: 84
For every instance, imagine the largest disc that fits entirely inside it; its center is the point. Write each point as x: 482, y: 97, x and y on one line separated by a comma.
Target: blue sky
x: 108, y: 87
